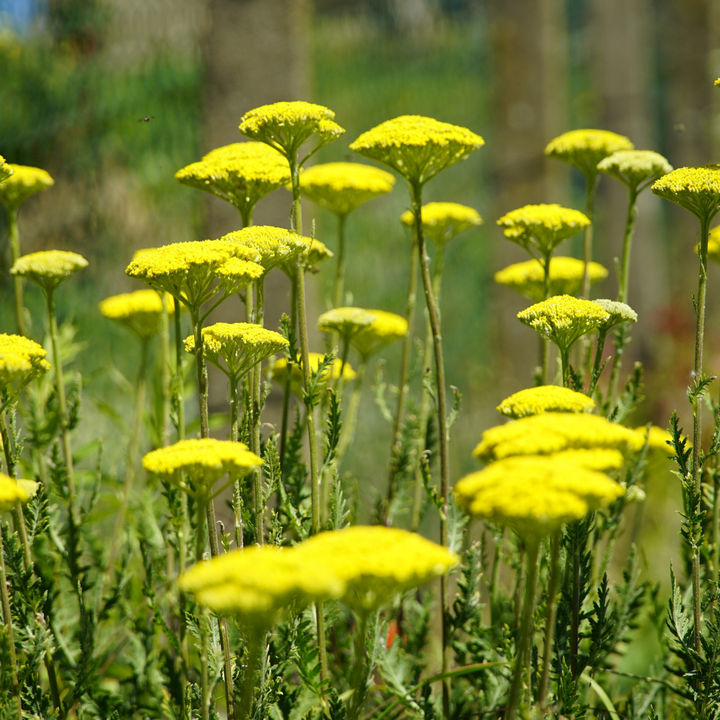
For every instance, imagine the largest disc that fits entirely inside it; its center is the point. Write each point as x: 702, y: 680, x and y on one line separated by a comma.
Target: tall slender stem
x: 288, y: 378
x: 590, y: 188
x: 201, y: 372
x: 550, y: 618
x: 17, y: 280
x: 253, y: 645
x: 255, y: 436
x: 359, y: 675
x: 545, y: 343
x: 237, y: 494
x: 204, y: 614
x: 7, y: 618
x: 595, y: 376
x: 165, y: 372
x: 627, y: 243
x: 340, y: 272
x: 348, y: 431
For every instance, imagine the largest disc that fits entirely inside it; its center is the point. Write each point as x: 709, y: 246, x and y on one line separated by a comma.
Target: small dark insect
x: 148, y: 118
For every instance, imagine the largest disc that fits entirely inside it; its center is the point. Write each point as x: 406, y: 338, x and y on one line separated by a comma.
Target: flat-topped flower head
x: 237, y: 347
x: 140, y: 311
x: 317, y: 253
x: 274, y: 245
x: 297, y: 379
x: 48, y: 268
x: 11, y: 493
x: 190, y: 271
x: 636, y: 168
x: 586, y: 148
x: 542, y: 227
x: 564, y: 319
x: 619, y: 313
x: 697, y: 189
x: 21, y: 360
x: 566, y: 277
x: 22, y: 182
x: 256, y: 583
x: 552, y: 432
x: 442, y: 221
x: 287, y: 125
x: 383, y: 331
x: 202, y: 462
x: 376, y: 563
x: 546, y: 398
x: 417, y: 147
x: 342, y: 186
x: 604, y: 460
x: 5, y: 170
x: 347, y: 321
x: 659, y: 440
x: 535, y: 495
x: 241, y: 173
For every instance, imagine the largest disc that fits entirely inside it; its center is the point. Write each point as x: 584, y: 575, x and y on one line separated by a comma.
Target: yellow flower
x: 619, y: 313
x: 11, y: 493
x: 563, y: 319
x: 140, y: 311
x: 375, y: 563
x: 442, y: 221
x: 717, y: 83
x: 542, y: 227
x: 347, y: 321
x: 341, y: 186
x: 417, y: 147
x: 566, y: 277
x: 553, y: 432
x: 279, y: 371
x: 23, y: 182
x: 240, y: 346
x: 697, y: 189
x: 383, y: 331
x: 5, y: 170
x: 546, y: 398
x: 635, y: 168
x: 21, y: 360
x: 203, y: 463
x: 586, y: 148
x: 273, y: 245
x: 287, y: 125
x: 713, y: 245
x: 535, y: 495
x: 314, y: 255
x: 601, y: 459
x: 241, y: 173
x: 48, y: 268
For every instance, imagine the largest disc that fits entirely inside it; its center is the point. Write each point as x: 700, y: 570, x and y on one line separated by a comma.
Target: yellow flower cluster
x: 240, y: 346
x: 566, y: 277
x: 203, y: 462
x: 535, y: 495
x: 635, y: 167
x: 553, y: 432
x: 442, y: 221
x: 279, y: 371
x: 619, y: 313
x: 12, y: 493
x: 417, y: 147
x: 383, y: 331
x: 563, y: 319
x: 5, y: 170
x: 140, y: 311
x: 697, y: 189
x: 586, y: 148
x: 23, y: 182
x: 48, y: 268
x: 341, y: 186
x: 347, y: 321
x: 287, y: 125
x: 273, y: 245
x: 21, y: 360
x: 542, y: 226
x: 546, y: 398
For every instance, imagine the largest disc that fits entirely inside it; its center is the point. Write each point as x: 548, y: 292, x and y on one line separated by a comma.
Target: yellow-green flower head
x: 189, y: 270
x: 417, y: 147
x: 21, y: 360
x: 383, y: 331
x: 11, y: 493
x: 604, y: 460
x: 313, y: 256
x: 586, y: 148
x: 713, y: 245
x: 279, y: 371
x: 619, y: 313
x: 237, y: 347
x: 347, y: 321
x: 636, y: 168
x: 255, y: 583
x: 659, y: 440
x: 23, y: 182
x: 564, y: 319
x: 274, y: 245
x: 542, y: 227
x: 141, y: 311
x: 535, y: 495
x: 341, y: 186
x: 566, y: 277
x: 48, y: 268
x: 203, y: 462
x: 697, y: 189
x: 5, y: 170
x: 717, y: 83
x: 546, y: 398
x: 552, y: 432
x: 442, y: 221
x: 287, y: 125
x: 241, y: 173
x: 376, y: 563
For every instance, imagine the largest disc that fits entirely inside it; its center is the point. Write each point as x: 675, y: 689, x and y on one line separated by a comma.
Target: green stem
x: 255, y: 437
x: 495, y: 574
x: 288, y: 377
x: 627, y: 243
x: 545, y: 354
x: 348, y: 431
x: 550, y: 618
x: 7, y: 617
x: 590, y: 188
x: 595, y: 376
x: 340, y: 271
x: 253, y: 645
x: 621, y: 339
x: 165, y: 373
x: 716, y: 530
x: 204, y: 615
x: 525, y: 637
x: 565, y: 361
x: 179, y: 380
x: 237, y: 494
x: 359, y: 676
x: 17, y: 280
x: 201, y: 371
